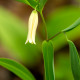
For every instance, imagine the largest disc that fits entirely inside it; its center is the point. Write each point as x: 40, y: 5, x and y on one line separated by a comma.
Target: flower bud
x: 32, y: 26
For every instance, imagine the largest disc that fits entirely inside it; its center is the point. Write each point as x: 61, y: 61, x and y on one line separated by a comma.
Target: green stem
x: 54, y: 36
x: 44, y: 25
x: 66, y: 36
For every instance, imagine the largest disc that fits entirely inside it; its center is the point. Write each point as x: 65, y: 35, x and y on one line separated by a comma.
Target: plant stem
x: 66, y: 36
x: 44, y: 24
x: 54, y: 36
x: 46, y: 28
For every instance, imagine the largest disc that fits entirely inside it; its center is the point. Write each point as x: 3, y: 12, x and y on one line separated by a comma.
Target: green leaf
x: 16, y: 68
x: 75, y: 24
x: 42, y: 3
x: 38, y: 4
x: 47, y: 48
x: 31, y: 3
x: 24, y: 1
x: 75, y: 63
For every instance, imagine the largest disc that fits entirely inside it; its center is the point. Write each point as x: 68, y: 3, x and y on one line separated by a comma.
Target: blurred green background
x: 58, y: 14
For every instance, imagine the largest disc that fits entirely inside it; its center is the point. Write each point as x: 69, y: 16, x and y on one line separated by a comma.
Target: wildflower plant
x: 47, y: 46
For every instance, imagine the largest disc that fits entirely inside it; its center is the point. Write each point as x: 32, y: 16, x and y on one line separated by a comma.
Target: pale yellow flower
x: 32, y: 26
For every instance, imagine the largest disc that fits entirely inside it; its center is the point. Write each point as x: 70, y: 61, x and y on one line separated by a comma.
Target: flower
x: 32, y: 26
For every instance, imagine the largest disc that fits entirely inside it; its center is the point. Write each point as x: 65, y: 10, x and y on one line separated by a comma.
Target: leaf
x: 38, y: 4
x: 42, y: 3
x: 75, y: 63
x: 31, y: 3
x: 47, y: 48
x: 75, y: 24
x: 24, y: 1
x: 13, y: 34
x: 16, y: 68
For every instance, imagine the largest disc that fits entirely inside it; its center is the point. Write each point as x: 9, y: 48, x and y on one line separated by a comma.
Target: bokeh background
x: 58, y: 14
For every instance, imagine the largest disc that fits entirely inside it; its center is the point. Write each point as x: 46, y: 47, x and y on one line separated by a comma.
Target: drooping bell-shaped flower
x: 32, y: 26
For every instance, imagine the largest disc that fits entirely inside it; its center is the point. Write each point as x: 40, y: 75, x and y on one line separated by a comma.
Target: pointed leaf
x: 16, y: 68
x: 24, y: 1
x: 48, y: 60
x: 31, y: 3
x: 75, y: 65
x: 75, y: 24
x: 42, y: 3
